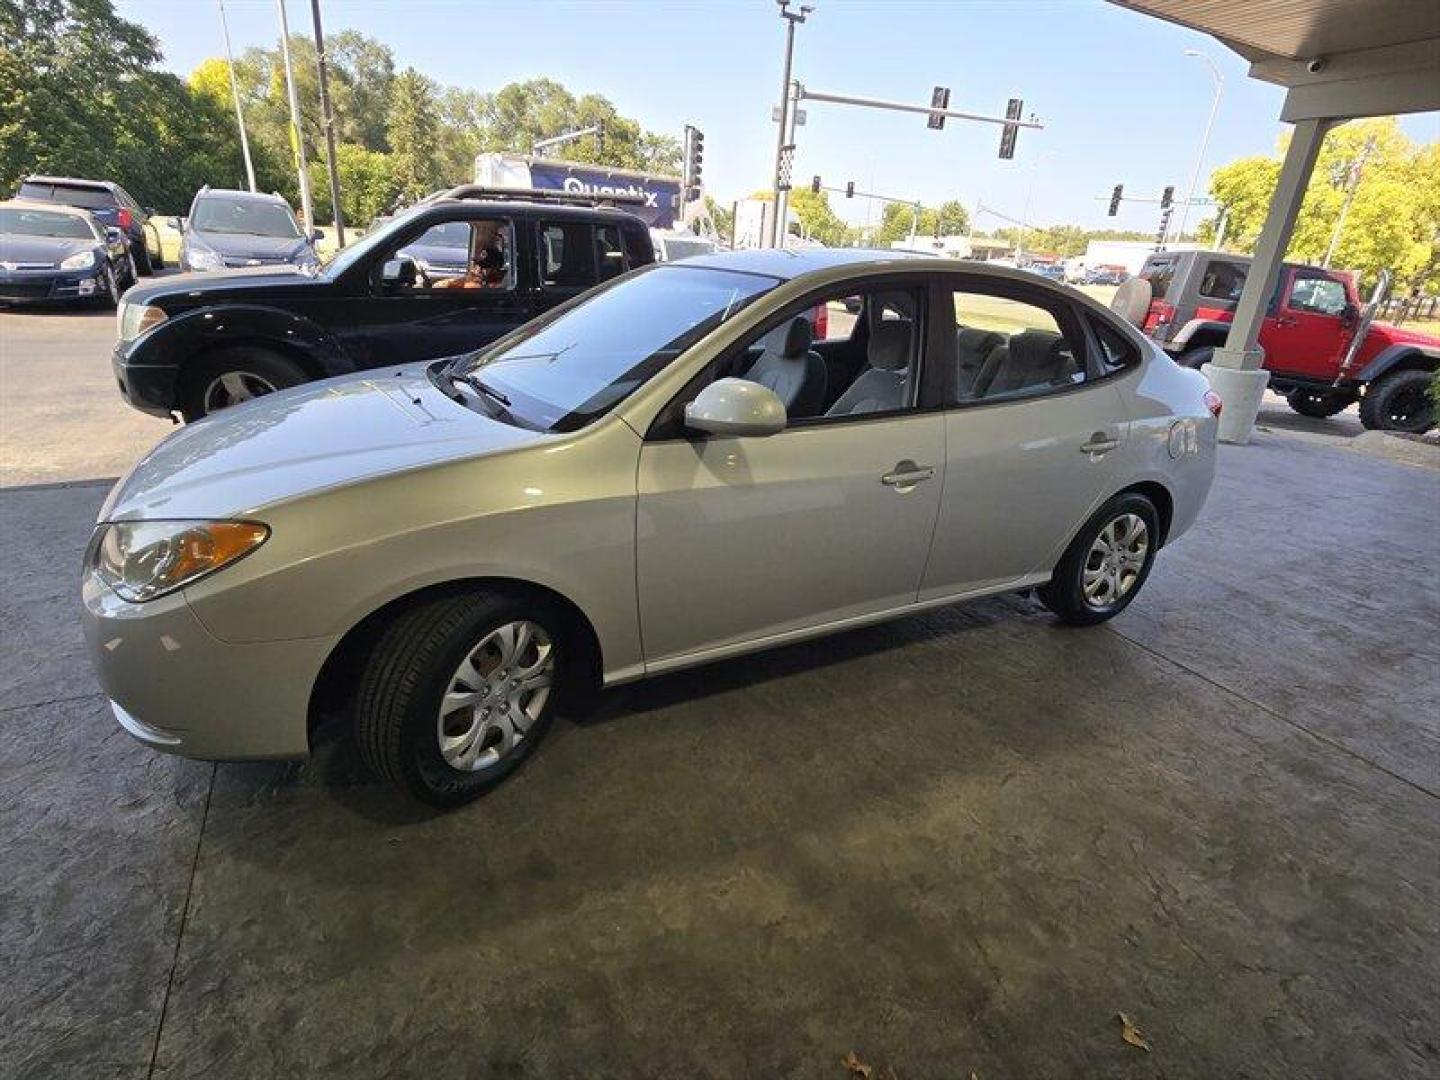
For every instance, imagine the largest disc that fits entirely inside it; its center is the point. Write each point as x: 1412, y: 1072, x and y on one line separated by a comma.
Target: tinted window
x: 1223, y: 281
x: 89, y: 197
x: 1323, y: 296
x: 44, y: 223
x: 1160, y: 273
x: 561, y: 373
x: 567, y: 255
x: 245, y: 216
x: 610, y: 251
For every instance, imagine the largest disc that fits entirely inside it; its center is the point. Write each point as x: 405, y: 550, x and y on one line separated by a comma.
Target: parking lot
x: 958, y: 844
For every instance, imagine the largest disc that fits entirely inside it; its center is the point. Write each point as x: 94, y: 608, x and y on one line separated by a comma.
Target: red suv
x: 1322, y: 351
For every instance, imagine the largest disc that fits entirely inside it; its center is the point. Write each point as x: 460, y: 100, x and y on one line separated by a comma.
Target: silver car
x: 681, y: 466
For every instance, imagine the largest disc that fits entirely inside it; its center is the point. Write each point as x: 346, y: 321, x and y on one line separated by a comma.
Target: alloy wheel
x: 234, y: 387
x: 495, y: 696
x: 1115, y: 562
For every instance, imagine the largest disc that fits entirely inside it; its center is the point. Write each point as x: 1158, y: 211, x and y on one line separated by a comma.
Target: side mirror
x: 736, y: 408
x: 401, y: 272
x: 114, y: 235
x: 317, y: 234
x: 1349, y: 316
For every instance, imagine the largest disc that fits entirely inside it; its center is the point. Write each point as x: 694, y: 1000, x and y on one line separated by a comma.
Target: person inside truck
x: 489, y: 261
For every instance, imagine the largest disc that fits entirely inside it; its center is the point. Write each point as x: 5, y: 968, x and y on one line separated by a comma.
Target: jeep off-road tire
x: 1399, y: 401
x: 1193, y: 358
x: 1318, y: 403
x: 414, y: 703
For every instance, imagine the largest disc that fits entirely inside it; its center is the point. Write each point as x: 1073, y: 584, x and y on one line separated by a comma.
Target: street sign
x: 1009, y: 131
x: 799, y: 115
x: 939, y: 99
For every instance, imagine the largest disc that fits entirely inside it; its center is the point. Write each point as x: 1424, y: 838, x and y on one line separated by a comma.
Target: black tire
x: 1064, y: 593
x: 109, y: 294
x: 258, y: 369
x: 1193, y: 358
x: 1318, y: 403
x: 140, y: 252
x: 1399, y: 401
x: 409, y: 671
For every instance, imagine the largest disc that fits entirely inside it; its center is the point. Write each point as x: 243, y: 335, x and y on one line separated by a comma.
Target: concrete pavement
x: 963, y: 841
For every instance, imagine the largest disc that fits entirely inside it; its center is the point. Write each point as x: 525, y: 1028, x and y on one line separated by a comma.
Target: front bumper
x: 177, y: 688
x: 151, y: 389
x: 48, y: 286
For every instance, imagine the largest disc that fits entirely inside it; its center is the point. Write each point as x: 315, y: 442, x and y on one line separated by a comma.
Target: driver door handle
x: 1099, y: 443
x: 907, y: 474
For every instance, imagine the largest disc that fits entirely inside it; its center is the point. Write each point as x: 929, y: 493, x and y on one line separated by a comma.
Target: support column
x: 1235, y: 370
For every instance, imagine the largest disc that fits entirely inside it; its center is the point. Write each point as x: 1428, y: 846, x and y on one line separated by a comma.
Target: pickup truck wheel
x: 1399, y: 401
x: 231, y: 376
x: 1193, y: 358
x: 1317, y: 403
x: 458, y: 693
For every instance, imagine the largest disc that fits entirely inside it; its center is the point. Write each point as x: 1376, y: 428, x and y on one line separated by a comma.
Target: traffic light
x: 815, y: 185
x: 1115, y: 199
x: 939, y: 99
x: 1167, y: 197
x: 694, y: 161
x: 1008, y: 133
x: 850, y: 189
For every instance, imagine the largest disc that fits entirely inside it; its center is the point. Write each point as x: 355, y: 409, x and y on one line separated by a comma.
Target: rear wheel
x: 1318, y: 403
x: 1193, y: 358
x: 141, y: 254
x: 235, y: 375
x: 460, y: 691
x: 1106, y: 564
x: 1399, y: 401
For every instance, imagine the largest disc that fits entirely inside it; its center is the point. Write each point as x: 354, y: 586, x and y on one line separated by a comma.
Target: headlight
x: 142, y: 560
x: 83, y: 261
x: 135, y: 319
x: 201, y: 258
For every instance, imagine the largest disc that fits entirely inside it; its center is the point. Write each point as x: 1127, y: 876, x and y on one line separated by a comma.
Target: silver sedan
x: 692, y: 462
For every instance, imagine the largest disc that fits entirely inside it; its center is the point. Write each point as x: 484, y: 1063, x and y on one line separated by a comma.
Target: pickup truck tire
x: 1399, y: 401
x: 1317, y: 403
x: 141, y: 254
x: 1193, y: 358
x: 230, y: 376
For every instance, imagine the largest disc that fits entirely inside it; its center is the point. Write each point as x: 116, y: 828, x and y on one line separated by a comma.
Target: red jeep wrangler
x: 1322, y: 350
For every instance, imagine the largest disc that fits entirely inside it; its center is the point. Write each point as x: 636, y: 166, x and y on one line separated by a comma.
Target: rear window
x: 1160, y: 274
x: 91, y: 198
x: 1223, y: 281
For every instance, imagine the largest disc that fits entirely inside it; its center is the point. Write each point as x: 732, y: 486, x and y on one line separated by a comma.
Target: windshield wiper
x: 474, y: 382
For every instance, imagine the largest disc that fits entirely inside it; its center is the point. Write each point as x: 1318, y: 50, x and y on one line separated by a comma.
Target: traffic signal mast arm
x: 899, y: 106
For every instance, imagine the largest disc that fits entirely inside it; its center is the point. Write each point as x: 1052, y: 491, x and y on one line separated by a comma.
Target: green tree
x: 367, y: 185
x: 414, y: 134
x: 949, y: 219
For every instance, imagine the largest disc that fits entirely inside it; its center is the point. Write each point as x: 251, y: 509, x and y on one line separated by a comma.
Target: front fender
x: 187, y: 334
x: 1394, y: 356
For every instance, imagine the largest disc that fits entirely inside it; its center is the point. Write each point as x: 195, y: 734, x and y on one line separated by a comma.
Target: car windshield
x: 44, y: 223
x: 559, y: 374
x: 245, y: 216
x: 379, y: 234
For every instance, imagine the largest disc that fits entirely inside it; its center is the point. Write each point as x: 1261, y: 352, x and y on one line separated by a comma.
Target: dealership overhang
x: 1338, y: 60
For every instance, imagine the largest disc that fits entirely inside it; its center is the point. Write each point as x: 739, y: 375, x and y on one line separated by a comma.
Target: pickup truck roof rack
x: 574, y: 198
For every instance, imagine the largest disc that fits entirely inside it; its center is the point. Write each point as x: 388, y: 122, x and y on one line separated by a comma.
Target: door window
x: 467, y: 255
x: 1320, y: 296
x: 566, y: 250
x: 610, y: 252
x: 1012, y: 348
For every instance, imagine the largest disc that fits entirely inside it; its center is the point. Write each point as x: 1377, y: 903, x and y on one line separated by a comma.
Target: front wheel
x: 231, y: 376
x: 109, y: 294
x: 1106, y: 564
x: 459, y: 692
x: 1318, y: 403
x: 1399, y: 401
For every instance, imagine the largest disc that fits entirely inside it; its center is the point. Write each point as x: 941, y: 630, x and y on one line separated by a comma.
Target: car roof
x: 70, y: 181
x: 536, y: 208
x: 243, y: 196
x: 47, y: 207
x: 787, y: 263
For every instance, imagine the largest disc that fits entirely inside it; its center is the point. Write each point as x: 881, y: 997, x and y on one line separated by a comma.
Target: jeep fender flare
x: 1203, y: 329
x: 1400, y: 355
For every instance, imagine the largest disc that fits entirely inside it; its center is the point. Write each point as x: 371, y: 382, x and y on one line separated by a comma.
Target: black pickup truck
x: 447, y: 276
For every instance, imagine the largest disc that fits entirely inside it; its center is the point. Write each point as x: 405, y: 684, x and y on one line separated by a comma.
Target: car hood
x: 301, y: 441
x: 46, y: 249
x: 1396, y: 335
x: 248, y: 246
x: 187, y: 289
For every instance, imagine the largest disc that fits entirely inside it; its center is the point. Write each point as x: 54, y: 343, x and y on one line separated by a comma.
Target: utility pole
x: 1352, y: 182
x: 235, y: 93
x: 1204, y: 139
x: 306, y: 208
x: 781, y: 183
x: 328, y: 118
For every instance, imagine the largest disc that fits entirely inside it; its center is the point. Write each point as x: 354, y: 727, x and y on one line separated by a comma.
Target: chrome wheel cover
x: 495, y: 696
x: 1116, y: 559
x: 234, y: 387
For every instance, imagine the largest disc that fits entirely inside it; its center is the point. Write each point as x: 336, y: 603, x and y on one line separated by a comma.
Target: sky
x: 1120, y: 101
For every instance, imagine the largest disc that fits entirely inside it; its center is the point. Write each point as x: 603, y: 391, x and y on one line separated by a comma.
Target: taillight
x: 1213, y: 403
x: 821, y: 321
x: 1163, y: 312
x: 123, y: 217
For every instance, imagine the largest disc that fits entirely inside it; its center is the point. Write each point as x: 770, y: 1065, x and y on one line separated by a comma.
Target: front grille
x: 240, y: 264
x: 27, y: 266
x: 24, y: 290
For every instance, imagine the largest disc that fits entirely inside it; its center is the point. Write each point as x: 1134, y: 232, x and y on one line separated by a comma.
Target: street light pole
x: 306, y: 207
x: 235, y: 93
x: 774, y: 227
x: 1029, y: 195
x: 1204, y: 139
x: 328, y: 117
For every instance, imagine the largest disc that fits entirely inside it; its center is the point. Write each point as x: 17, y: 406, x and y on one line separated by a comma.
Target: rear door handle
x: 907, y: 474
x: 1099, y: 443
